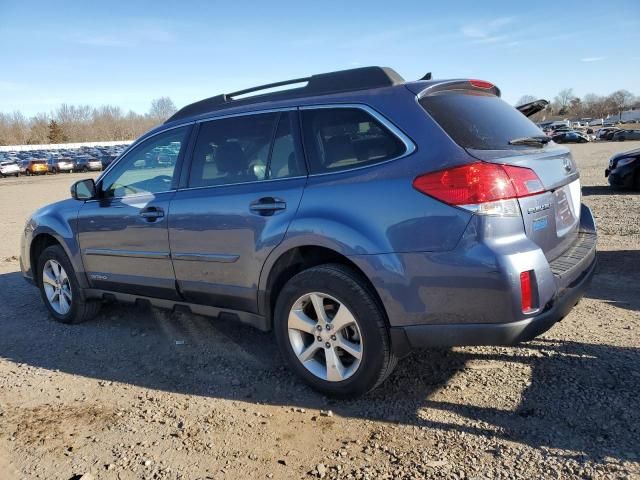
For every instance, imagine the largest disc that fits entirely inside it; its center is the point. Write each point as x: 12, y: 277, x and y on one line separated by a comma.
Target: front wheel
x: 59, y: 288
x: 332, y: 332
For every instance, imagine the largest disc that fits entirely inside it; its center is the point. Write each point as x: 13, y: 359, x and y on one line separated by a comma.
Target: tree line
x: 568, y: 105
x: 83, y: 123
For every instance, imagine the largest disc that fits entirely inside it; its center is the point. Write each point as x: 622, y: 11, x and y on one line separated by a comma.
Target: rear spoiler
x: 531, y: 108
x: 424, y: 88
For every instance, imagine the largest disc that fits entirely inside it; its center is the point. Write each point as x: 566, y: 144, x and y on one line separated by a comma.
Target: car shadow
x: 576, y: 397
x: 617, y: 279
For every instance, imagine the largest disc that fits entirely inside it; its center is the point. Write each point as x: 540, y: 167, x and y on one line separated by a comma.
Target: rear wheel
x: 59, y: 288
x: 332, y: 332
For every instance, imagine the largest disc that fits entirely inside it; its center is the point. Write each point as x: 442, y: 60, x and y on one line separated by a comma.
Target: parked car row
x: 562, y: 133
x: 42, y: 162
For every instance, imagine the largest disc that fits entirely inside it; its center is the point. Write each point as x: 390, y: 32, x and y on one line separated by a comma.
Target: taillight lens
x: 481, y: 187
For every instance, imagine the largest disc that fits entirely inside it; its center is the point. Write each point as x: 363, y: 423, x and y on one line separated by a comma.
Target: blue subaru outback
x: 357, y: 215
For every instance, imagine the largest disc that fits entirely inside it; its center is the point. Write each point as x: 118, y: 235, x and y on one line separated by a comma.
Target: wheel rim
x: 57, y: 287
x: 325, y: 337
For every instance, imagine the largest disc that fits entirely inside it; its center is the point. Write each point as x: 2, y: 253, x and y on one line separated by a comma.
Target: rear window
x: 478, y: 120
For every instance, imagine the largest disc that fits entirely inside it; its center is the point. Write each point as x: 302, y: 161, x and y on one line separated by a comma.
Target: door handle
x: 151, y: 214
x: 267, y: 205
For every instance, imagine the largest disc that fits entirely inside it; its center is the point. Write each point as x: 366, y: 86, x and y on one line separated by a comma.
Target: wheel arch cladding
x: 293, y: 261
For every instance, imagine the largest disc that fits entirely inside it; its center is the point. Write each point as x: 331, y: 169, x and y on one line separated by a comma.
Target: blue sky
x: 127, y: 53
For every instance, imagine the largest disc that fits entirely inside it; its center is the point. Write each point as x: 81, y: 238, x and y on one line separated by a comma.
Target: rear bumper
x: 407, y: 338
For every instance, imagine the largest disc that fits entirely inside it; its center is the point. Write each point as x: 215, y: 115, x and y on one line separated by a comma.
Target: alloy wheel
x: 57, y: 287
x: 325, y: 336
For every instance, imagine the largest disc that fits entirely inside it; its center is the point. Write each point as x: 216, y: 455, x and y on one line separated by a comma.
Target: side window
x: 148, y: 168
x: 232, y: 150
x: 343, y: 138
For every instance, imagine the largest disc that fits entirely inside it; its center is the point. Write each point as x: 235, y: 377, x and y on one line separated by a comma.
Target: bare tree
x: 162, y: 108
x: 526, y: 99
x: 621, y: 99
x: 39, y: 129
x: 563, y: 100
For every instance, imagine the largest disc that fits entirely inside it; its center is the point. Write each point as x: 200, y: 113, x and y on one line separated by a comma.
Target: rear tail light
x: 485, y: 188
x: 525, y: 292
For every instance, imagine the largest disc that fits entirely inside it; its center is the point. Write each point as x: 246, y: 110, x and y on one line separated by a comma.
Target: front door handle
x: 151, y: 214
x: 267, y: 205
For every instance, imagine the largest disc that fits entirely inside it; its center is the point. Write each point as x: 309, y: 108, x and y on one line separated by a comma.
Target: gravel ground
x: 148, y: 394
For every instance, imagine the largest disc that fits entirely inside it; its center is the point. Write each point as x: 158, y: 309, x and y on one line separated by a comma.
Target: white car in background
x: 9, y: 168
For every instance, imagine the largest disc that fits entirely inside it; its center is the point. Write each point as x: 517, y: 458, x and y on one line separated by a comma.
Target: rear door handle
x: 267, y: 205
x: 151, y: 214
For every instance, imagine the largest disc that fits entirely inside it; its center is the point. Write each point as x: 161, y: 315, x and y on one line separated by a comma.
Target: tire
x: 340, y: 285
x: 636, y: 180
x: 80, y: 309
x: 85, y: 170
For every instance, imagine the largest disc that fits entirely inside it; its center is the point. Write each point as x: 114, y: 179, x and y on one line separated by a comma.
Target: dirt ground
x: 148, y: 394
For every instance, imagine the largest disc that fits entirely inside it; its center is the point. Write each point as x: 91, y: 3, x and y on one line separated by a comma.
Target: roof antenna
x: 427, y: 76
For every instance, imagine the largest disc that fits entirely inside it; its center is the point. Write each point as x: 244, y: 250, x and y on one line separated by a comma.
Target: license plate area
x: 567, y: 207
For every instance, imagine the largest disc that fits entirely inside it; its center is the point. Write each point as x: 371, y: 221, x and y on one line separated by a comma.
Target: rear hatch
x: 483, y: 124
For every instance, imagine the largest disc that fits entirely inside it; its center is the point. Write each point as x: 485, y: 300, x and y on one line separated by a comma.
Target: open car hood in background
x: 530, y: 108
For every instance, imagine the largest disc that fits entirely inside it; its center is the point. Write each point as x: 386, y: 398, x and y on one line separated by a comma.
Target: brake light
x: 524, y: 180
x: 481, y: 84
x: 481, y: 187
x: 525, y: 291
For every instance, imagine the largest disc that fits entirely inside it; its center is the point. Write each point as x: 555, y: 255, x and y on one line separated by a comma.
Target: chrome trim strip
x: 108, y: 252
x: 241, y: 183
x: 243, y: 114
x: 205, y: 257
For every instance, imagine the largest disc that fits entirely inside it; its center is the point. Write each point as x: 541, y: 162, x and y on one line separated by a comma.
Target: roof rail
x: 320, y: 84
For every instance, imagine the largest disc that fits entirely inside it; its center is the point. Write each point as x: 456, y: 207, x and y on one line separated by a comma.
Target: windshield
x: 478, y: 120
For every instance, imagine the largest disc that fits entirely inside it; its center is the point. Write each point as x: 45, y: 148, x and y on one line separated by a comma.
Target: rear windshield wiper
x: 537, y: 141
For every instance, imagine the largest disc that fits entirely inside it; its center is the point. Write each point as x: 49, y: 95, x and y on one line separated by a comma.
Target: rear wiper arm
x: 537, y: 141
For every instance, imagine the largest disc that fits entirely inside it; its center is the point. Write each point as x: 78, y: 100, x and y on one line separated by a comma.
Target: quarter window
x: 149, y: 168
x: 343, y: 138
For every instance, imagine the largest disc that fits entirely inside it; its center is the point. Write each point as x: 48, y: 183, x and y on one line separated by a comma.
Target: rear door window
x: 478, y: 120
x: 246, y: 148
x: 338, y: 139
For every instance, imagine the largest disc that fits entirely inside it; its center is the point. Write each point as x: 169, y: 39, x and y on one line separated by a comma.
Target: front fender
x: 59, y: 221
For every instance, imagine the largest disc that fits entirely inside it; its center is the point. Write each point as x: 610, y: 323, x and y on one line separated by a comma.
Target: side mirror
x: 84, y: 189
